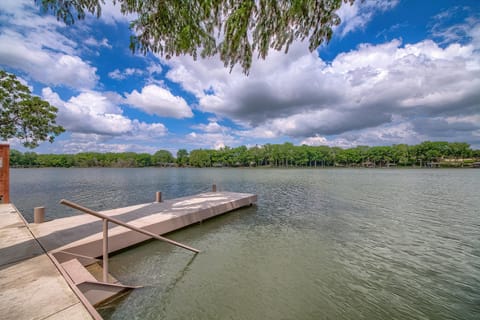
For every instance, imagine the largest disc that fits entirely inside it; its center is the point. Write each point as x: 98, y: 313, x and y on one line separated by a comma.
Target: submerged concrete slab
x: 31, y: 287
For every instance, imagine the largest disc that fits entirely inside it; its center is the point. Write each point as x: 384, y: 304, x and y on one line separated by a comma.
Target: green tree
x: 302, y: 155
x: 222, y: 157
x: 182, y: 157
x: 285, y: 154
x: 256, y: 156
x: 163, y: 157
x: 239, y: 156
x: 459, y: 150
x: 236, y: 30
x: 200, y: 158
x: 126, y: 160
x: 476, y: 154
x: 401, y: 154
x: 86, y: 159
x: 30, y: 159
x: 16, y: 158
x: 24, y: 116
x: 322, y: 155
x: 143, y: 160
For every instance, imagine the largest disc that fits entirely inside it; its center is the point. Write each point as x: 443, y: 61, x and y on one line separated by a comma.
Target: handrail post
x: 105, y: 250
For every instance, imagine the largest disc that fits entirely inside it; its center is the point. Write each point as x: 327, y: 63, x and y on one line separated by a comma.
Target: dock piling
x: 39, y: 215
x: 158, y: 197
x: 214, y: 188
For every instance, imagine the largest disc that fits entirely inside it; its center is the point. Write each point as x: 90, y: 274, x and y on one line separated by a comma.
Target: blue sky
x: 394, y: 72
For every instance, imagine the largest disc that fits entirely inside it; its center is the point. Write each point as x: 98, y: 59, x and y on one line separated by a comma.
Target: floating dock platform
x: 59, y: 261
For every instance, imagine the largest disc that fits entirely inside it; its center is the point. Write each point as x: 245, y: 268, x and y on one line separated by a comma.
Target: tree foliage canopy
x: 163, y: 157
x: 24, y: 116
x: 182, y: 157
x: 425, y: 154
x: 234, y: 29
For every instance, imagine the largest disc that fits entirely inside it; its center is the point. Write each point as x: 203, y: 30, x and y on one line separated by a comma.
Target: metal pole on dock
x: 105, y: 250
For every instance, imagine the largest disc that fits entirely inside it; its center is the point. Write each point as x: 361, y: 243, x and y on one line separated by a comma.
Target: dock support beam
x: 158, y: 197
x: 39, y: 215
x: 214, y: 188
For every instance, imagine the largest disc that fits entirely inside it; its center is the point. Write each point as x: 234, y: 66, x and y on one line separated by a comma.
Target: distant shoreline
x: 428, y: 154
x: 261, y: 167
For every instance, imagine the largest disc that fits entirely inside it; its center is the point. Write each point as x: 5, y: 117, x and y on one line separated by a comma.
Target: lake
x: 320, y: 243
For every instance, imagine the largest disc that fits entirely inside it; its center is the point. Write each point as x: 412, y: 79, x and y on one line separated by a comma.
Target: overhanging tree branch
x: 25, y: 116
x: 236, y: 30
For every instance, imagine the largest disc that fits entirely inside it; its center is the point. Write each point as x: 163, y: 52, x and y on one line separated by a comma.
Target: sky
x: 395, y: 71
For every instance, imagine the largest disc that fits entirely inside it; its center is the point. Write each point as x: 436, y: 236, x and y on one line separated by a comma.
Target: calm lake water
x: 320, y: 244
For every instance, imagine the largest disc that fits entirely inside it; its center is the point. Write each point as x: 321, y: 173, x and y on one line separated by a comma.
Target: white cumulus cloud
x: 96, y: 113
x: 360, y: 13
x: 360, y: 92
x: 154, y: 99
x: 33, y: 44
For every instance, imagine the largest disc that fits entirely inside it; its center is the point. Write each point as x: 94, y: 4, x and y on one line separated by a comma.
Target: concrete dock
x: 82, y: 234
x: 74, y: 244
x: 31, y: 287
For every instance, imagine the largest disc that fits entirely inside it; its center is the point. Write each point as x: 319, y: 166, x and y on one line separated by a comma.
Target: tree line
x: 425, y: 154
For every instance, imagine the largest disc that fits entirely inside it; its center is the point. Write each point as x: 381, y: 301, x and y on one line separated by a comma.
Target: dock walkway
x: 31, y: 287
x: 34, y: 257
x: 82, y: 234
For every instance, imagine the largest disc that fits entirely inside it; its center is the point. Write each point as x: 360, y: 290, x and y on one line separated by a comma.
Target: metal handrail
x: 106, y: 219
